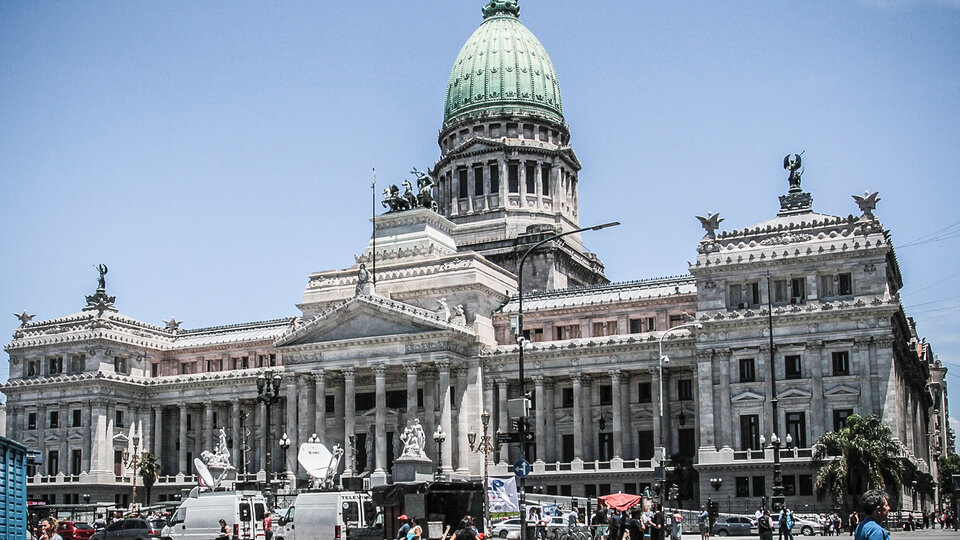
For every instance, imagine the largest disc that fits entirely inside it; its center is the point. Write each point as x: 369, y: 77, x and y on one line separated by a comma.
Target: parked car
x: 507, y: 526
x: 735, y: 526
x: 806, y: 527
x: 130, y: 529
x: 75, y: 530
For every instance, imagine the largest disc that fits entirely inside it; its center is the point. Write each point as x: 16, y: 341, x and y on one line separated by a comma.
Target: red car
x: 75, y: 530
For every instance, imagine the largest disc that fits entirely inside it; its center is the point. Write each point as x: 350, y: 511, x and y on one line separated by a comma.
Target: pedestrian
x: 268, y: 526
x: 615, y: 524
x: 853, y: 521
x: 765, y: 525
x: 415, y: 531
x: 600, y: 523
x: 100, y: 523
x: 224, y: 531
x: 703, y: 521
x: 465, y: 530
x: 657, y: 532
x: 676, y: 529
x: 48, y: 529
x: 785, y: 524
x: 404, y: 527
x: 875, y: 507
x: 573, y: 518
x: 634, y: 526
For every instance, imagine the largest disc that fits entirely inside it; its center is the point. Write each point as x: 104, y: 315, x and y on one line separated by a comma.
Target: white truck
x: 325, y: 515
x: 198, y: 516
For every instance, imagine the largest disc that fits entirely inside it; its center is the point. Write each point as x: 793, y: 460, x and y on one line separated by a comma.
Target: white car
x: 512, y: 525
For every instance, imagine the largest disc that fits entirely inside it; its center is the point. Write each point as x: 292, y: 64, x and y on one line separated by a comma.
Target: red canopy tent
x: 621, y: 501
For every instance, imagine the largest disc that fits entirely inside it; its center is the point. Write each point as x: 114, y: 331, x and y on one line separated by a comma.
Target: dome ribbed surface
x: 503, y: 66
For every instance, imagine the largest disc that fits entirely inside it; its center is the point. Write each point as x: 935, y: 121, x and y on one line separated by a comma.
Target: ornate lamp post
x: 776, y: 500
x: 438, y: 437
x: 716, y: 483
x: 484, y: 446
x: 132, y: 460
x: 268, y: 393
x: 661, y: 470
x: 284, y: 443
x: 520, y: 341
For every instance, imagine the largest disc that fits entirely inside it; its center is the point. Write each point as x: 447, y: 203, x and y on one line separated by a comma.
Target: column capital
x: 815, y: 345
x: 380, y: 371
x: 443, y: 365
x: 349, y: 374
x: 460, y: 371
x: 614, y: 375
x: 538, y: 380
x: 411, y: 368
x: 319, y: 375
x: 577, y: 377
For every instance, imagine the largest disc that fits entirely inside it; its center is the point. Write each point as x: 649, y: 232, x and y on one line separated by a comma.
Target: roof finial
x: 501, y: 7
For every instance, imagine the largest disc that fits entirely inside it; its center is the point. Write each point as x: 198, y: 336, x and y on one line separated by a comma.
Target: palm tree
x: 149, y: 469
x: 860, y: 456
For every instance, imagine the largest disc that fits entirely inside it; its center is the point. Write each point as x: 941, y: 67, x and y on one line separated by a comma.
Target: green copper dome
x: 503, y: 66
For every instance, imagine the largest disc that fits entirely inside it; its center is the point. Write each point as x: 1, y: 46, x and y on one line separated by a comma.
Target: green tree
x: 862, y: 455
x: 149, y: 469
x: 948, y: 466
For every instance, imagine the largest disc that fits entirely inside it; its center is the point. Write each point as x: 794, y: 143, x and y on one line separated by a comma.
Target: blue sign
x: 522, y: 468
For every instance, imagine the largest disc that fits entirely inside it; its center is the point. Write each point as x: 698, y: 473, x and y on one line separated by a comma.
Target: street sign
x: 522, y: 468
x: 511, y: 437
x: 528, y: 436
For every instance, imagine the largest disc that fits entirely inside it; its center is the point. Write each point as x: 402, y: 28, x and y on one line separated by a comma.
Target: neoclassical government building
x: 431, y: 335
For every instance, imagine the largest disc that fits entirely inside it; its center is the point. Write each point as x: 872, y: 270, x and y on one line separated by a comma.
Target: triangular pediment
x: 841, y: 390
x: 794, y: 393
x: 746, y: 396
x: 478, y: 144
x: 364, y: 317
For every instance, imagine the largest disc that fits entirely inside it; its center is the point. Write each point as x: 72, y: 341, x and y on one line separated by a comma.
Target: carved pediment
x: 51, y: 439
x: 367, y: 317
x: 795, y: 393
x: 75, y: 435
x: 747, y: 395
x: 478, y: 144
x: 29, y: 440
x: 842, y: 390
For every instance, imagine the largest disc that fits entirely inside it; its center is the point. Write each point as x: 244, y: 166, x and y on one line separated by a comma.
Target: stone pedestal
x: 412, y: 469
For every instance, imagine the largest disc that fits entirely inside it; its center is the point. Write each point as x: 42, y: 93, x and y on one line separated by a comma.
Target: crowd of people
x: 634, y: 524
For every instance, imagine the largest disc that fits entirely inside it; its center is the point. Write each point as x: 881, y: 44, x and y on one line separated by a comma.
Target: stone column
x: 629, y: 434
x: 411, y: 392
x: 504, y: 421
x: 445, y: 415
x: 886, y: 372
x: 89, y: 435
x: 554, y: 440
x: 182, y: 438
x: 380, y: 443
x: 817, y: 370
x: 656, y: 397
x: 261, y: 437
x: 590, y: 443
x: 459, y: 443
x: 291, y: 421
x: 207, y: 427
x: 430, y: 414
x: 349, y: 419
x: 577, y: 417
x: 763, y: 364
x: 488, y: 399
x: 541, y: 426
x: 617, y: 416
x: 724, y: 424
x: 100, y: 455
x: 235, y: 433
x: 860, y: 365
x: 320, y: 418
x: 305, y: 410
x: 705, y: 399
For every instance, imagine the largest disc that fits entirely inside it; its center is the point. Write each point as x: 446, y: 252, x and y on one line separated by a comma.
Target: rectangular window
x: 749, y: 432
x: 33, y: 369
x: 189, y: 422
x: 676, y: 320
x: 780, y: 291
x: 531, y: 179
x: 759, y: 486
x: 748, y: 370
x: 329, y: 403
x: 75, y: 462
x: 245, y: 362
x: 494, y: 179
x: 791, y: 366
x: 844, y: 284
x: 598, y: 329
x: 419, y: 397
x: 55, y: 366
x: 533, y: 334
x: 120, y: 365
x: 568, y: 332
x: 154, y: 370
x: 735, y: 296
x: 566, y: 397
x: 635, y: 326
x: 119, y: 418
x: 513, y: 177
x: 687, y: 442
x: 789, y: 485
x: 651, y: 324
x: 566, y: 450
x: 612, y: 328
x: 797, y: 428
x: 833, y: 285
x: 645, y: 443
x: 841, y: 362
x: 605, y: 439
x: 463, y: 183
x: 797, y: 290
x: 77, y: 363
x: 840, y: 418
x: 118, y: 462
x: 396, y: 399
x: 54, y: 419
x: 684, y: 389
x: 478, y: 180
x: 644, y: 395
x: 805, y: 482
x: 743, y: 486
x: 53, y: 462
x: 827, y: 288
x: 545, y: 180
x: 32, y: 420
x: 77, y: 418
x: 606, y: 394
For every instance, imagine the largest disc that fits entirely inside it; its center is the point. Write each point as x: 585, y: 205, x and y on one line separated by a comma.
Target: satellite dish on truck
x: 206, y: 479
x: 321, y: 464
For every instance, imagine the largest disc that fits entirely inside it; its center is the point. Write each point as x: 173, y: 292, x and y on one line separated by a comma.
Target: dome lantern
x: 501, y: 7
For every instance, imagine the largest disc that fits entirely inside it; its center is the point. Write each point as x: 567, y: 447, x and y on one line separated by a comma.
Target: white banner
x: 503, y: 495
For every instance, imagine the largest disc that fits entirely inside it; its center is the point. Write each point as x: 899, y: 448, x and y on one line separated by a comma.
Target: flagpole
x: 373, y: 219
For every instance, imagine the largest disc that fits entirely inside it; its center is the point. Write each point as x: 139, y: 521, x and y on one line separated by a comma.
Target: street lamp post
x: 133, y: 460
x: 268, y: 393
x: 284, y: 443
x: 776, y: 500
x: 438, y: 437
x: 484, y: 446
x: 520, y: 342
x: 661, y: 471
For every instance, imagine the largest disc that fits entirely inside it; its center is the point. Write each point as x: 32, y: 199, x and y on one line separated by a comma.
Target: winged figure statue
x: 867, y: 203
x: 710, y: 224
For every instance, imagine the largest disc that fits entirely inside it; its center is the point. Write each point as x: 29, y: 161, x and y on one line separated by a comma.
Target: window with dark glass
x: 396, y: 399
x: 478, y: 180
x: 841, y: 362
x: 463, y: 183
x: 645, y: 445
x: 644, y: 395
x: 791, y: 366
x: 329, y: 403
x: 77, y: 418
x: 566, y: 397
x: 605, y: 440
x: 606, y: 394
x: 759, y: 486
x: 805, y: 484
x: 635, y: 326
x: 531, y: 179
x: 844, y: 284
x: 189, y: 422
x: 651, y: 324
x: 749, y: 432
x: 743, y: 486
x: 75, y: 462
x: 119, y: 419
x: 494, y: 179
x: 748, y: 372
x: 797, y: 428
x: 797, y: 288
x: 840, y: 418
x: 789, y: 485
x: 513, y: 178
x: 419, y: 397
x: 32, y: 420
x: 54, y: 419
x: 566, y: 448
x: 154, y: 370
x: 684, y: 389
x: 545, y: 180
x: 53, y: 462
x: 676, y: 320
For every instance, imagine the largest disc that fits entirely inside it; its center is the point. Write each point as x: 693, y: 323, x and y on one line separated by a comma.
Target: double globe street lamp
x: 268, y: 393
x: 484, y: 446
x: 133, y: 460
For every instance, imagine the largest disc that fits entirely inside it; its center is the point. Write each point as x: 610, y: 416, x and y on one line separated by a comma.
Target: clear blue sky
x: 215, y: 153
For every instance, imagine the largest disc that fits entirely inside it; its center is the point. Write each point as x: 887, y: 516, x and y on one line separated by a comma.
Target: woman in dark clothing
x: 656, y: 531
x: 634, y: 526
x: 765, y: 526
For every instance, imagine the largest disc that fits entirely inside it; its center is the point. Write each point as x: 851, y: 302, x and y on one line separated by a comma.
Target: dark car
x: 129, y: 529
x: 75, y: 530
x: 734, y: 526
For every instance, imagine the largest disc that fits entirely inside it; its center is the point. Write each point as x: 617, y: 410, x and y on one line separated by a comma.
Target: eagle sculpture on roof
x: 867, y: 203
x: 710, y: 224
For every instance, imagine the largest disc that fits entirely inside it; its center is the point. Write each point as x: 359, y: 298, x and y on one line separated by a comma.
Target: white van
x: 198, y: 516
x: 325, y: 515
